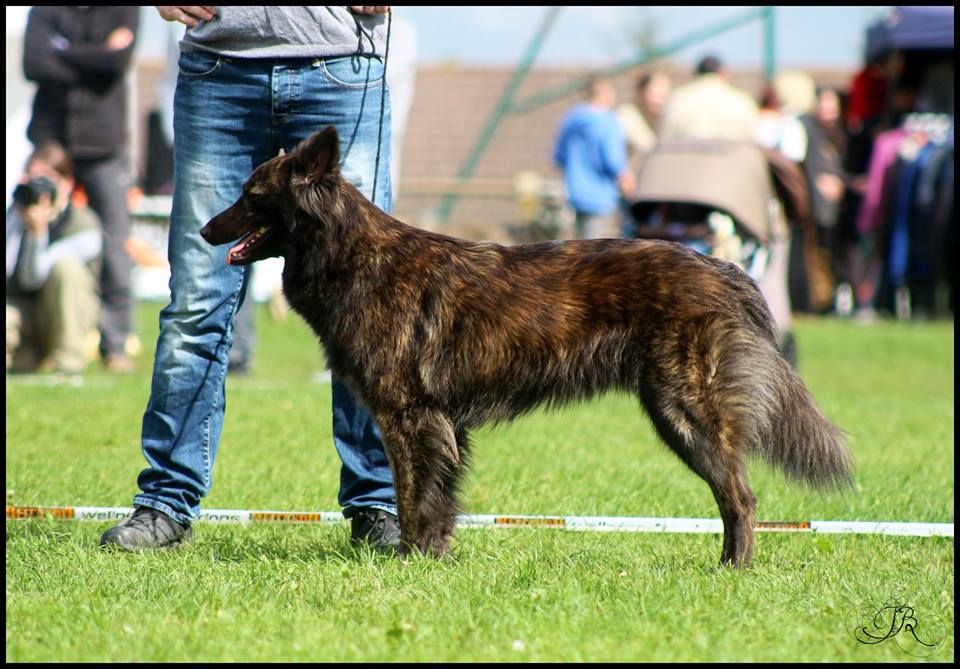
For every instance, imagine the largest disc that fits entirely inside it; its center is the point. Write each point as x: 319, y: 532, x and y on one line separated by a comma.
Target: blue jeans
x: 231, y: 115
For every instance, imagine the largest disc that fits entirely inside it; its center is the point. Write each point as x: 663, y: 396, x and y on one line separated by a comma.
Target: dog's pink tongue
x: 235, y: 254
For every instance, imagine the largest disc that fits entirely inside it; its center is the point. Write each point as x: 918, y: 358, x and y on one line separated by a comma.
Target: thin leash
x: 383, y: 88
x: 383, y: 97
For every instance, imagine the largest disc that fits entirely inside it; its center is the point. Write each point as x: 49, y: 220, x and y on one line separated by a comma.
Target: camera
x: 30, y: 193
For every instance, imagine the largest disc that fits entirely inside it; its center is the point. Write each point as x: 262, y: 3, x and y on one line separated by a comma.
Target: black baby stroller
x: 718, y: 197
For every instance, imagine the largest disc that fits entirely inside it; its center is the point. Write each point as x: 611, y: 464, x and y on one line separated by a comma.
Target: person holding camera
x: 78, y: 56
x: 53, y: 251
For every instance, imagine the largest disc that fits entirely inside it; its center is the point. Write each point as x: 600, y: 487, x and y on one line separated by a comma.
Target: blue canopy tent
x: 908, y: 28
x: 921, y: 27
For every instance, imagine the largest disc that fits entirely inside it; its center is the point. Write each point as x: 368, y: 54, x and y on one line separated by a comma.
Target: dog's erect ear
x: 317, y: 155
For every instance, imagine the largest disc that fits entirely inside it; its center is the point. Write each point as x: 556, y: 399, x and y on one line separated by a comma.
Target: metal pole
x: 769, y: 43
x: 507, y: 105
x: 503, y: 106
x: 558, y: 92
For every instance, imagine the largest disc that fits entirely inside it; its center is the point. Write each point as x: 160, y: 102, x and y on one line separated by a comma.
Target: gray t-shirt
x: 288, y: 32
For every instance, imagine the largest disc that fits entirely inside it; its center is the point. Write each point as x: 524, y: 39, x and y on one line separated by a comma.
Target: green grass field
x: 301, y: 593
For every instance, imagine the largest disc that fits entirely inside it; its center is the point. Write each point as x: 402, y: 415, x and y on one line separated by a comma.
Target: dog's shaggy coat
x: 436, y: 335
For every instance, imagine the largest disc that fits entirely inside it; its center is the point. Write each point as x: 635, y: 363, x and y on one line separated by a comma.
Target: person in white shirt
x: 709, y: 107
x: 641, y: 117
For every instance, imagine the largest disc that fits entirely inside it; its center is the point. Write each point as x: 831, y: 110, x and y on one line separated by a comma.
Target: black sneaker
x: 147, y: 528
x: 378, y: 529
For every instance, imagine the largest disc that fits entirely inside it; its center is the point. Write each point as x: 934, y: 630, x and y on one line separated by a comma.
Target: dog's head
x: 265, y: 217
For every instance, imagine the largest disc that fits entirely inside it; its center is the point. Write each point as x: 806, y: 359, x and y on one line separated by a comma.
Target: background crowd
x: 864, y: 173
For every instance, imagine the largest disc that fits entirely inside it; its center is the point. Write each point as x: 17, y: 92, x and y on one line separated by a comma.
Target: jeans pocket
x: 353, y: 71
x: 199, y: 63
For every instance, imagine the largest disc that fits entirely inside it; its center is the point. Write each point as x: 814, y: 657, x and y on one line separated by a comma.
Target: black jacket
x: 80, y: 100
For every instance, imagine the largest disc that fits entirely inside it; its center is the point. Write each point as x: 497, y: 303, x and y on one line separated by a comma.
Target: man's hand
x: 370, y: 9
x: 627, y: 183
x: 830, y: 186
x: 119, y: 39
x: 37, y: 217
x: 189, y: 16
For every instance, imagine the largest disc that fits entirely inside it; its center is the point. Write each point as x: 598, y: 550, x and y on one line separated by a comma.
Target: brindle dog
x: 437, y: 335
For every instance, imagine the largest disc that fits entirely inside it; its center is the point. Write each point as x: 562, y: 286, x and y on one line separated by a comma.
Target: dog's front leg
x: 400, y: 453
x: 425, y: 461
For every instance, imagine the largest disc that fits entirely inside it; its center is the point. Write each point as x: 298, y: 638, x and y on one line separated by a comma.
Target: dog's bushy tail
x: 799, y: 438
x: 788, y: 429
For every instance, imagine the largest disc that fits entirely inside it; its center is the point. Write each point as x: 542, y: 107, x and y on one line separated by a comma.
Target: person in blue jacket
x: 591, y: 152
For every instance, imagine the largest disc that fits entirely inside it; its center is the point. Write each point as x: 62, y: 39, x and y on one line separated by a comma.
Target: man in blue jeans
x: 252, y: 81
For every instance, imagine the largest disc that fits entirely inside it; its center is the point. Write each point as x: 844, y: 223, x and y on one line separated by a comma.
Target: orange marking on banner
x: 530, y: 522
x: 22, y: 512
x: 286, y: 517
x: 786, y: 526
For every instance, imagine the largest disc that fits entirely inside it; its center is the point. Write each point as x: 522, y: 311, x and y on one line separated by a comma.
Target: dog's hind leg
x: 425, y: 460
x: 714, y: 457
x: 728, y: 482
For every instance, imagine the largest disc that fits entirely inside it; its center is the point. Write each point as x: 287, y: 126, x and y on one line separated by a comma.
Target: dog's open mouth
x: 243, y: 253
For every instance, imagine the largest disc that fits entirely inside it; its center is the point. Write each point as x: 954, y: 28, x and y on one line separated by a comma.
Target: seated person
x: 53, y: 252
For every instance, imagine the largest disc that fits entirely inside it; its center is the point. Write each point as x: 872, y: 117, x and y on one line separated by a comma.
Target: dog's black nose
x: 205, y: 232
